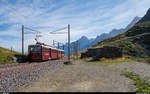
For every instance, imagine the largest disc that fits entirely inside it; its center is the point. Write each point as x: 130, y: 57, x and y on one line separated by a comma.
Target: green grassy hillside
x: 6, y: 56
x: 135, y: 42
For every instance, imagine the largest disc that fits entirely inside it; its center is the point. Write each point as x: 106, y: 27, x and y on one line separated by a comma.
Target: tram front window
x: 35, y: 49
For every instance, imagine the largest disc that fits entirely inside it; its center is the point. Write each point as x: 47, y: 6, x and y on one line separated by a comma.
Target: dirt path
x: 86, y: 77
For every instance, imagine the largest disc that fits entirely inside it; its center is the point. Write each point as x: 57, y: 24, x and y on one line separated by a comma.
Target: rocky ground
x: 16, y: 75
x: 84, y: 76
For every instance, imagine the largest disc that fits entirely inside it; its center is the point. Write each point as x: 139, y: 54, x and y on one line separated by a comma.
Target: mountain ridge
x: 84, y: 42
x: 146, y: 17
x: 135, y: 42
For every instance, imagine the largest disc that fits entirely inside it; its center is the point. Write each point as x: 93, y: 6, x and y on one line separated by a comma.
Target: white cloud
x: 90, y: 19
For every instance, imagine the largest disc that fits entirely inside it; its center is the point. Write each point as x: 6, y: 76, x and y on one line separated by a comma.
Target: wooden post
x: 63, y: 47
x: 11, y: 48
x: 74, y: 49
x: 68, y: 42
x: 58, y: 45
x: 22, y: 40
x: 77, y: 50
x: 53, y: 42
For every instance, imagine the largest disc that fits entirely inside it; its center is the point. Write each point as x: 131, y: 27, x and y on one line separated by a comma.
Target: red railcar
x: 59, y: 54
x: 54, y: 52
x: 44, y: 52
x: 62, y: 53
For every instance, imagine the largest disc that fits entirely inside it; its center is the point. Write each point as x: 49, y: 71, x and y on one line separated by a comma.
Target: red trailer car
x: 54, y: 52
x: 59, y: 54
x: 42, y: 52
x: 62, y: 53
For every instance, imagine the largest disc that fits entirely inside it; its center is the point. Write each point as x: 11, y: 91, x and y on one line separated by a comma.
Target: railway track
x: 15, y: 75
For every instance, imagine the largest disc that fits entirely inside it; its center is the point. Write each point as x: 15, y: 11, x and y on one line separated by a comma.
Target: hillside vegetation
x: 6, y: 56
x: 135, y: 42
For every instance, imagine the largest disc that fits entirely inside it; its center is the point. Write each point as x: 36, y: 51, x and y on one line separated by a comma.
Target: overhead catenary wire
x: 36, y: 32
x: 53, y: 32
x: 56, y: 31
x: 59, y: 33
x: 29, y: 32
x: 54, y: 42
x: 32, y: 30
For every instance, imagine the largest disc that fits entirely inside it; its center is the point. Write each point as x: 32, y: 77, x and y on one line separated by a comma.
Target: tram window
x: 35, y: 49
x: 31, y: 49
x: 54, y: 51
x: 45, y: 50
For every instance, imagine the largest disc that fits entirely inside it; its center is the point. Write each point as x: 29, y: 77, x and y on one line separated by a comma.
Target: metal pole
x: 68, y: 42
x: 22, y: 40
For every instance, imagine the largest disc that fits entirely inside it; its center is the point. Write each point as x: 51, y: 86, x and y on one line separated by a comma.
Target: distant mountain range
x: 84, y: 42
x: 135, y: 42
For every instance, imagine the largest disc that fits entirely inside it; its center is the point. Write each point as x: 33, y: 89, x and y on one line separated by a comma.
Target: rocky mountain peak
x: 146, y: 18
x: 148, y: 12
x: 83, y: 38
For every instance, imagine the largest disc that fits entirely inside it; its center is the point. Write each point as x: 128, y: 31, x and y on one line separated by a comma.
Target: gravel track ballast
x: 8, y: 82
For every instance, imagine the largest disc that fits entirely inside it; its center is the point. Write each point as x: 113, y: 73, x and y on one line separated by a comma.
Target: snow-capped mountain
x: 84, y: 42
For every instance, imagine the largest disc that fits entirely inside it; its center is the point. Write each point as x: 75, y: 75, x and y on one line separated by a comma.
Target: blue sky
x: 87, y: 17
